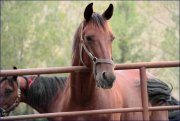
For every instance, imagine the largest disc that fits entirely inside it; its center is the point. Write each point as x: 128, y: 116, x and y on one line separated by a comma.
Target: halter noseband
x: 94, y: 59
x: 5, y: 112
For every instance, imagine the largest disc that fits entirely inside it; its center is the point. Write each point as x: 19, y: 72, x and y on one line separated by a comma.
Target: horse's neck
x: 39, y: 108
x: 25, y: 96
x: 82, y: 84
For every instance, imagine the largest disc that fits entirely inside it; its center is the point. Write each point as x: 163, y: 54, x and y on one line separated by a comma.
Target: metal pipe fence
x: 69, y: 69
x: 141, y: 66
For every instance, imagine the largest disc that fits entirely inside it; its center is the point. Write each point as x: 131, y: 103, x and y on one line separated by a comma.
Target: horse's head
x: 9, y: 94
x: 96, y: 40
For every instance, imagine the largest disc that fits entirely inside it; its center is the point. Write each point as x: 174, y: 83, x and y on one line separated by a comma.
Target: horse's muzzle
x: 105, y: 80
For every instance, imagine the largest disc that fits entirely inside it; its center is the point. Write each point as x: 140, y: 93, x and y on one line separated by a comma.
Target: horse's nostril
x: 109, y: 77
x: 104, y: 75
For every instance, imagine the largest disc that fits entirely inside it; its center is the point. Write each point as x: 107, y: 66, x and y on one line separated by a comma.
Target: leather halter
x: 5, y: 112
x: 94, y: 59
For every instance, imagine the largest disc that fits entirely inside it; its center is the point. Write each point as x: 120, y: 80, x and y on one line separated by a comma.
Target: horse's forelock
x: 9, y: 79
x: 98, y: 20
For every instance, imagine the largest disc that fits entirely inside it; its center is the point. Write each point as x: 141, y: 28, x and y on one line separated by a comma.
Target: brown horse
x: 37, y: 91
x: 92, y: 90
x: 102, y: 87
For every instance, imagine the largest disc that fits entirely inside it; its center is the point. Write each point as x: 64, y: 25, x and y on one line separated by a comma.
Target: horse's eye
x: 8, y: 91
x: 89, y: 38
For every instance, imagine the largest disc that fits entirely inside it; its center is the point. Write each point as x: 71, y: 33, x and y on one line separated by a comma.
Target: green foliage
x: 128, y: 26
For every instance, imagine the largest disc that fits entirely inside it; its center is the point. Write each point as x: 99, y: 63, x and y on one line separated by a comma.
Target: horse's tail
x: 174, y: 115
x: 158, y: 92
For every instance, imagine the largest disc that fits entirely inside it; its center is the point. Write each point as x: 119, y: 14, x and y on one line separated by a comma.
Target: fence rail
x: 89, y: 112
x: 69, y: 69
x: 141, y: 66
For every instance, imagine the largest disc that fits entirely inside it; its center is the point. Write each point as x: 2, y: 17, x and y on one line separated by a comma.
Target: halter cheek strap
x: 94, y: 59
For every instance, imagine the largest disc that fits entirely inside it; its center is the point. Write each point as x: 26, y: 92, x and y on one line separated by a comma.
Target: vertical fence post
x: 144, y: 94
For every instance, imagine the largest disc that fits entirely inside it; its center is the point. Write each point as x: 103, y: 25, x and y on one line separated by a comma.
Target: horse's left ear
x: 14, y: 67
x: 88, y: 11
x: 109, y: 12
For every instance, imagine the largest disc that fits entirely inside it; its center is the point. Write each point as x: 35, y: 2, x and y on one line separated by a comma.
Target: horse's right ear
x: 88, y: 11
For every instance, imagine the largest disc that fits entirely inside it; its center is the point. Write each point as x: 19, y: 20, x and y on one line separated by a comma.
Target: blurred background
x: 40, y: 33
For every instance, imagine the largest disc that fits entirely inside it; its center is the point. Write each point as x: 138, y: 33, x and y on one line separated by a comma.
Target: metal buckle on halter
x: 94, y: 59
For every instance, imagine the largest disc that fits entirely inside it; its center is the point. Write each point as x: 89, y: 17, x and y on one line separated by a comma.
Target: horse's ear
x: 14, y: 67
x: 88, y: 11
x: 15, y: 77
x: 109, y: 12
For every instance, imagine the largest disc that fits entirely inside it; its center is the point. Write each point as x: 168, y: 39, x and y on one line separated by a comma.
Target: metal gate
x: 141, y: 66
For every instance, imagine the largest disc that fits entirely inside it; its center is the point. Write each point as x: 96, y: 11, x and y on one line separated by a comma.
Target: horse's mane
x: 43, y: 89
x: 96, y: 20
x: 158, y: 91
